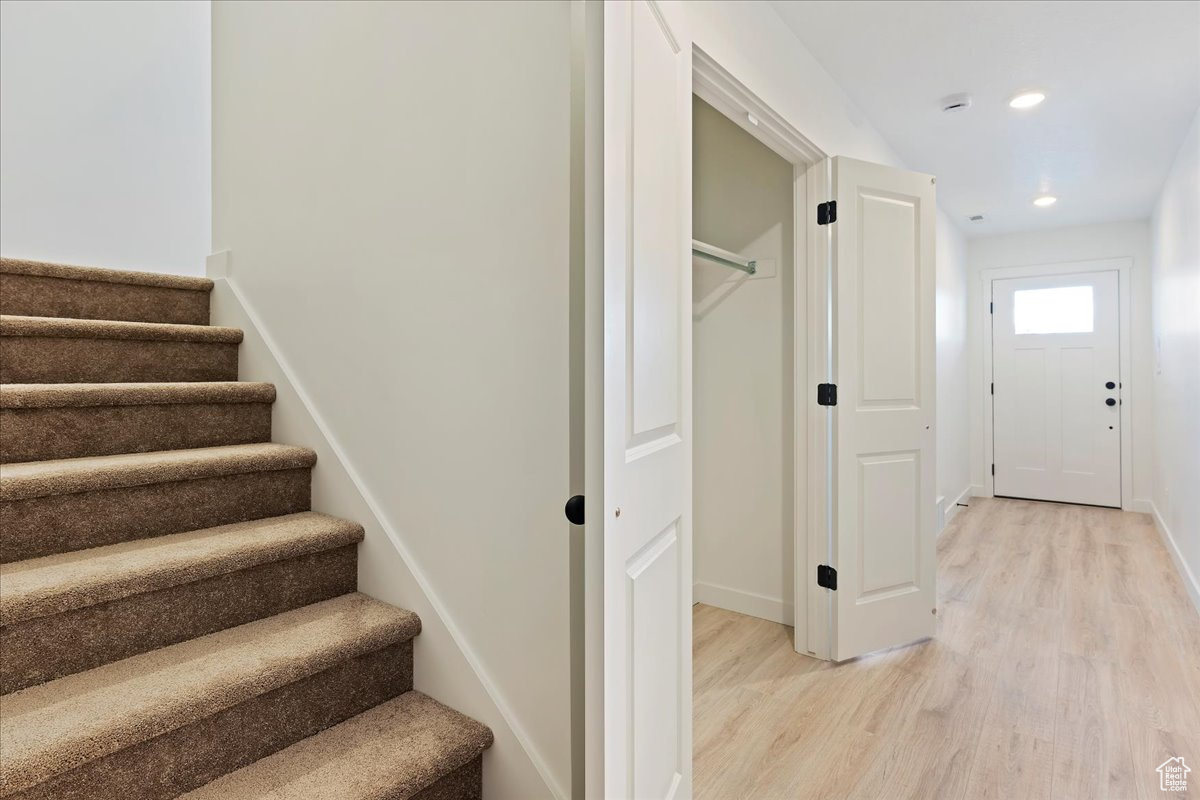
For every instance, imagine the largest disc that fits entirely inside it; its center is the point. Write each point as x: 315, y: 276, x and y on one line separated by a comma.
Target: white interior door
x: 1056, y: 388
x: 884, y: 487
x: 647, y: 383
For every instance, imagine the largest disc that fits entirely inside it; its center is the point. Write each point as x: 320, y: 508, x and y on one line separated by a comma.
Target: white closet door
x: 1056, y: 373
x: 647, y: 579
x: 884, y: 489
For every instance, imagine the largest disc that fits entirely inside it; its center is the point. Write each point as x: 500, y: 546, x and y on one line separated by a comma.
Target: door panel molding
x: 889, y: 302
x: 895, y: 475
x: 654, y: 580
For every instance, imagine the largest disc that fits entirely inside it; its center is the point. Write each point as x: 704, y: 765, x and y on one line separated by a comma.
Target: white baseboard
x: 947, y: 509
x: 956, y: 505
x: 1185, y: 572
x: 1141, y: 506
x: 446, y: 666
x: 979, y: 490
x: 749, y: 603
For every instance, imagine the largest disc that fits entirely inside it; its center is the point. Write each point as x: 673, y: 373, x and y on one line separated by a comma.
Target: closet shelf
x: 723, y: 257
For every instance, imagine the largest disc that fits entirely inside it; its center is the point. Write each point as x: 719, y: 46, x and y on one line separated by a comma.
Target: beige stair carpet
x: 72, y: 420
x: 174, y: 617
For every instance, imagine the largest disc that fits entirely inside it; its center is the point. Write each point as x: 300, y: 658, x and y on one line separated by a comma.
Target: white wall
x: 105, y: 133
x: 392, y: 180
x: 742, y: 357
x: 953, y: 417
x: 1175, y: 285
x: 1059, y: 245
x: 752, y: 42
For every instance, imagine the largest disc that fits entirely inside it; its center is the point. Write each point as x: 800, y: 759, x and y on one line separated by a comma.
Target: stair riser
x: 49, y: 359
x: 464, y: 783
x: 41, y: 526
x: 187, y: 757
x: 41, y: 296
x: 40, y: 434
x: 39, y: 650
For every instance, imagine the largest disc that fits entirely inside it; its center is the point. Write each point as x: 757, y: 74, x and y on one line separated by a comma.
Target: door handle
x: 1110, y: 385
x: 1110, y: 402
x: 574, y: 510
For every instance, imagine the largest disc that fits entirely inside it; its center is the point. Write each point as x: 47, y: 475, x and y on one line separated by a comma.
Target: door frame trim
x: 718, y: 87
x: 1124, y: 268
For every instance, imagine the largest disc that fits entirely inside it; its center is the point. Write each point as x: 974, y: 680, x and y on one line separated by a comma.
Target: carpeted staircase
x: 174, y: 618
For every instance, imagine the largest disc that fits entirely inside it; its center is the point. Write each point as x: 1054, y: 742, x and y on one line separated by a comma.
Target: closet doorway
x: 752, y: 549
x: 743, y: 372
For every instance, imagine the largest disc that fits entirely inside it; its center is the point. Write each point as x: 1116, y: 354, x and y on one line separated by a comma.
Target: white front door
x: 647, y: 404
x: 884, y: 487
x: 1056, y: 373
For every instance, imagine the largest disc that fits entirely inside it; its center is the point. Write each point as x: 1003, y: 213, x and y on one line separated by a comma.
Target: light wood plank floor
x: 1066, y: 665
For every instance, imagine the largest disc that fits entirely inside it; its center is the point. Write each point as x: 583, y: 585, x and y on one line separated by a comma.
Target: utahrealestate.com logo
x: 1172, y: 775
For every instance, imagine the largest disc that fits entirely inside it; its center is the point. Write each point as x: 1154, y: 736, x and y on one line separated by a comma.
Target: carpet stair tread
x: 40, y: 587
x: 28, y: 479
x: 12, y: 325
x: 87, y: 395
x: 57, y: 726
x: 394, y: 750
x: 49, y: 269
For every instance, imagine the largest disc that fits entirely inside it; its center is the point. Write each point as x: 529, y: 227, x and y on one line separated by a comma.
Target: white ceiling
x: 1122, y: 83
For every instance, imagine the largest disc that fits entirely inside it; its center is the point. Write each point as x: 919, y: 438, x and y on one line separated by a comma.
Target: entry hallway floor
x: 1066, y: 665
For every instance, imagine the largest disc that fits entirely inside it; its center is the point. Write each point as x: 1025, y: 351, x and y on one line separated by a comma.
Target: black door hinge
x: 827, y: 394
x: 827, y: 576
x: 993, y: 469
x: 827, y: 212
x: 993, y: 388
x: 991, y: 308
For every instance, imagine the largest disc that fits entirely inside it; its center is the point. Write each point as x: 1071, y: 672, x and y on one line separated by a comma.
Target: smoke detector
x: 956, y: 102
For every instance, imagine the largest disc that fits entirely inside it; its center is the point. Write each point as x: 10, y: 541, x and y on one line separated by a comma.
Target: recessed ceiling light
x: 976, y: 218
x: 1026, y: 100
x: 1045, y: 200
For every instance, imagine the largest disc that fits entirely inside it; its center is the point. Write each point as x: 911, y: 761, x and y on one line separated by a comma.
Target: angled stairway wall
x: 396, y: 195
x: 445, y: 666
